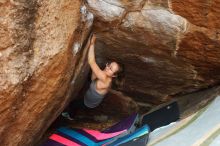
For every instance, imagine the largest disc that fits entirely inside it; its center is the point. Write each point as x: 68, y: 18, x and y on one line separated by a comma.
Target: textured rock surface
x: 167, y: 47
x: 120, y: 104
x: 41, y: 51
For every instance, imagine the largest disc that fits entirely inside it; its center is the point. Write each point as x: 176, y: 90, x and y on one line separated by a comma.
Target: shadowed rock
x: 168, y: 48
x: 162, y: 45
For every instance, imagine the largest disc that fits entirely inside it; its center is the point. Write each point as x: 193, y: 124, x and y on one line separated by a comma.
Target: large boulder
x: 42, y: 55
x: 167, y: 47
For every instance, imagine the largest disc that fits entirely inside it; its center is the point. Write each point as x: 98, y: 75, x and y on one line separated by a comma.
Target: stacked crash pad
x: 131, y: 131
x: 123, y: 133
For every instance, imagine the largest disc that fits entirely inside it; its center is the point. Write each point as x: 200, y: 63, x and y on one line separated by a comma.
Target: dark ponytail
x: 118, y: 81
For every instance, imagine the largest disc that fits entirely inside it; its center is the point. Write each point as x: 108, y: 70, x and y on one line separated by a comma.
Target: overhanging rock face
x: 41, y: 55
x: 167, y: 47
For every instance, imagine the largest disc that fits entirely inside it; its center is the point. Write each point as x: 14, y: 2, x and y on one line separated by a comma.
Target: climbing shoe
x: 66, y: 115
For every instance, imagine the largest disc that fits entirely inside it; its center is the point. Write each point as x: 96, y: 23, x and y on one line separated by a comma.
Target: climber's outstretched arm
x: 92, y: 62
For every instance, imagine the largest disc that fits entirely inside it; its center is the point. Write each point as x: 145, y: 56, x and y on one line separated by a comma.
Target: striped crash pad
x: 119, y: 134
x: 200, y: 129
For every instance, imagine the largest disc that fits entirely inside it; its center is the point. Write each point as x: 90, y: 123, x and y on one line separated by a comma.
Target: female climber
x: 100, y: 84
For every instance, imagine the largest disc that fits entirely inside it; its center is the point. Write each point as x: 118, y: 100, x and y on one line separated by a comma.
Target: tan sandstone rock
x: 167, y: 47
x: 41, y: 53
